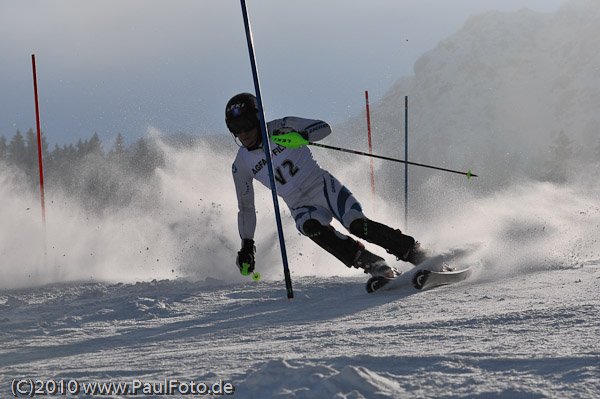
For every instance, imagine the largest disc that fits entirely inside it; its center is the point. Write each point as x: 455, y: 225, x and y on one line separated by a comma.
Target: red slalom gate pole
x: 39, y: 140
x: 370, y: 147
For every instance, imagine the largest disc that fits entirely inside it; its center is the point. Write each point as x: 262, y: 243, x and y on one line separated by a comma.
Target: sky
x: 132, y: 66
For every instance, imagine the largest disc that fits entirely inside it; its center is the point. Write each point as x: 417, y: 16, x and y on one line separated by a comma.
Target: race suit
x: 309, y: 191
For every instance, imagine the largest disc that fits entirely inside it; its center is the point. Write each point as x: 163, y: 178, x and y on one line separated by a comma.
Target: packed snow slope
x: 530, y: 335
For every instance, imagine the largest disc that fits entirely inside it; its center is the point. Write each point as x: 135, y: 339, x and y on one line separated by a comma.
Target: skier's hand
x: 286, y: 130
x: 245, y: 257
x: 282, y: 130
x: 304, y: 135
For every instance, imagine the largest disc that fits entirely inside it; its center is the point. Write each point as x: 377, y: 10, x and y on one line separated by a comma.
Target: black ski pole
x: 295, y: 140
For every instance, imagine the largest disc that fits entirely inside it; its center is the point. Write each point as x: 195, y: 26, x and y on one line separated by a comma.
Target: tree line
x: 104, y: 179
x: 85, y: 169
x: 565, y: 159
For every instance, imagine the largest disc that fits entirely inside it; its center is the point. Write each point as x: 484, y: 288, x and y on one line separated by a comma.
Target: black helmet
x: 241, y: 112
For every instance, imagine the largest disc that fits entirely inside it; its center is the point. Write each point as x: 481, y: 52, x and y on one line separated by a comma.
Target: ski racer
x: 313, y: 195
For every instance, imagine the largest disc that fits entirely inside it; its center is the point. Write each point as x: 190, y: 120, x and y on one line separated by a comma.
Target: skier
x: 312, y: 194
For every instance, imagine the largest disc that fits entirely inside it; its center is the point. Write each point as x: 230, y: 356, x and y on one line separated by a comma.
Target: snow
x: 532, y: 335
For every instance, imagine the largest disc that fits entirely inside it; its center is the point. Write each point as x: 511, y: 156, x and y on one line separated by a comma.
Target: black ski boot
x: 404, y: 247
x: 373, y: 264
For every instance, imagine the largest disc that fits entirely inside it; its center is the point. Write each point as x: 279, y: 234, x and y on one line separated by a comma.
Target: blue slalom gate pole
x: 406, y: 165
x: 267, y: 148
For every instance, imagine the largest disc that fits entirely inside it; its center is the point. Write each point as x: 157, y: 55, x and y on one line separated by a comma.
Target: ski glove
x: 245, y: 257
x: 286, y: 130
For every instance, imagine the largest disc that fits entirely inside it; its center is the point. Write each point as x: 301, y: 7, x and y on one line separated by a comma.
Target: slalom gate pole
x: 370, y: 148
x: 267, y: 148
x: 295, y: 140
x: 406, y: 159
x: 39, y: 142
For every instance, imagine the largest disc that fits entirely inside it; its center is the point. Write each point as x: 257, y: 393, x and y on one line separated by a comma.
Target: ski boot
x: 404, y: 247
x: 373, y: 264
x: 416, y: 255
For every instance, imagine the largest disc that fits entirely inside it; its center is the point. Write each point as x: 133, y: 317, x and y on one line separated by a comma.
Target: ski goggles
x: 238, y: 125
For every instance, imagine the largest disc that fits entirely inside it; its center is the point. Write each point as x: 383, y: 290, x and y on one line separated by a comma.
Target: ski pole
x: 295, y: 140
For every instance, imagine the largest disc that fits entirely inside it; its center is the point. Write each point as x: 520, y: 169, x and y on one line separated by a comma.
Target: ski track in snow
x: 529, y: 335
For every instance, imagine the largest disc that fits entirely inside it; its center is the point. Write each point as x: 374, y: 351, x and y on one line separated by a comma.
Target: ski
x: 425, y: 279
x: 434, y: 272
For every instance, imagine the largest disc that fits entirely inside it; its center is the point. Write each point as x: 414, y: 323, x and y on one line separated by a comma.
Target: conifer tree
x: 55, y: 156
x: 118, y: 152
x: 81, y: 148
x: 94, y: 146
x: 45, y: 152
x: 3, y: 148
x: 146, y: 158
x: 560, y: 158
x: 31, y: 153
x: 70, y: 152
x: 140, y: 161
x: 16, y: 150
x: 119, y: 146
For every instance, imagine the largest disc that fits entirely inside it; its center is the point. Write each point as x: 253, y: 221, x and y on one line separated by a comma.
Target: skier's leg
x: 342, y: 247
x: 314, y: 222
x: 340, y: 202
x: 328, y: 198
x: 346, y: 208
x: 349, y: 251
x: 404, y: 247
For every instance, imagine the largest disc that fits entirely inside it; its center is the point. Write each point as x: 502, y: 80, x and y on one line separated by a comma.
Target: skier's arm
x: 245, y: 196
x: 246, y: 216
x: 310, y: 129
